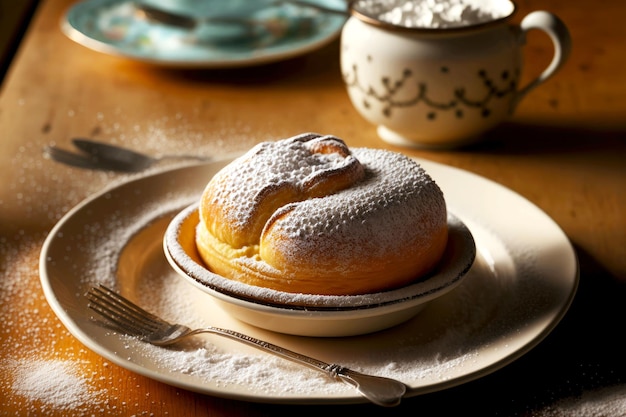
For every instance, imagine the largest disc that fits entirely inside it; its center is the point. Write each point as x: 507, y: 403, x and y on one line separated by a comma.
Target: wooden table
x: 564, y: 150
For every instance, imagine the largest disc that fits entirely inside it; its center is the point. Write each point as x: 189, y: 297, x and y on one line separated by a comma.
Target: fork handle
x: 379, y: 390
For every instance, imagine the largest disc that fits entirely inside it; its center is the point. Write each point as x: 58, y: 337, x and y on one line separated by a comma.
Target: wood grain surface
x: 564, y: 150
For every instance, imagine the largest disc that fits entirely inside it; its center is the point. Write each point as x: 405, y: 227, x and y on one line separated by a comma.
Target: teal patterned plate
x: 114, y: 27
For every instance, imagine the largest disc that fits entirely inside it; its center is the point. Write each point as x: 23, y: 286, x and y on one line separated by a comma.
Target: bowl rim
x: 457, y: 260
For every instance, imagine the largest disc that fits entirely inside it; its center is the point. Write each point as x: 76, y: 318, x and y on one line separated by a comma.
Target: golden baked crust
x: 307, y: 215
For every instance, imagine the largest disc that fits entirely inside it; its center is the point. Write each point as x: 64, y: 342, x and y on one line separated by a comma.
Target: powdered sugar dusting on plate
x: 404, y: 354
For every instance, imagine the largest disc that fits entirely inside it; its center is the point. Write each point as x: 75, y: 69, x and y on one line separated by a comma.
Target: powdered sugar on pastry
x: 368, y: 220
x: 307, y: 215
x: 252, y: 188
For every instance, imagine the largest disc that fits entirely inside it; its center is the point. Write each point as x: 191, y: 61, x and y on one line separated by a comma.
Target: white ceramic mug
x: 441, y: 88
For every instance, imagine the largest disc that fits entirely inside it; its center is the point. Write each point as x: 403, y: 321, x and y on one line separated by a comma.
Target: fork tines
x: 123, y: 313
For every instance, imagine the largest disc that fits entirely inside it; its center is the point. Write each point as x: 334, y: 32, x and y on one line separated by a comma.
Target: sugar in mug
x: 441, y: 87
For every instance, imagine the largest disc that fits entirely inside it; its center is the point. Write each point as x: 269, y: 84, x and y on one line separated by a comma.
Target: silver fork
x: 135, y: 321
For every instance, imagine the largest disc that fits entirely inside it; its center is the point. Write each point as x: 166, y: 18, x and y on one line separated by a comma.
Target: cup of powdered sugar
x: 440, y: 73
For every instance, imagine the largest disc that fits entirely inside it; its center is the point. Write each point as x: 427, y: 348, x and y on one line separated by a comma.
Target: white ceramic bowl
x: 317, y: 315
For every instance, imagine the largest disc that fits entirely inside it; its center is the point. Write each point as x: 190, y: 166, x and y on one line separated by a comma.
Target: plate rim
x: 239, y: 394
x: 82, y: 38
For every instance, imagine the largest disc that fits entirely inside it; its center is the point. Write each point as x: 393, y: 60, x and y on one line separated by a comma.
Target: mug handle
x: 560, y: 36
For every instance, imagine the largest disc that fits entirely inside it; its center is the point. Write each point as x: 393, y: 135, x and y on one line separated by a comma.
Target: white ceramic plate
x: 520, y: 286
x: 112, y: 27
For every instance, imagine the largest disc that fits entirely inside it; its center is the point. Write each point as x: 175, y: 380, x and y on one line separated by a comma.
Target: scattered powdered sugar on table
x: 602, y: 402
x: 33, y: 376
x: 57, y: 384
x: 434, y: 14
x: 43, y: 371
x: 34, y: 195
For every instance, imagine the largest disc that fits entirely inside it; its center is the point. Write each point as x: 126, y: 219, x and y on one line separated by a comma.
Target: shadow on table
x: 537, y: 138
x: 316, y: 68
